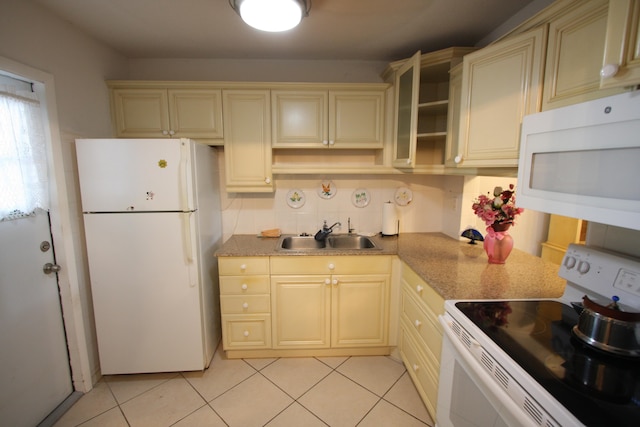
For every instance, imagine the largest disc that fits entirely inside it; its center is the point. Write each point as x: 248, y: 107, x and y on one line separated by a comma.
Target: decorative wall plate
x: 403, y: 196
x: 360, y: 198
x: 295, y: 198
x: 327, y: 189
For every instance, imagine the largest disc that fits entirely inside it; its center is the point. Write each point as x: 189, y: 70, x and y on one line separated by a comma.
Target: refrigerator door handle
x: 186, y: 239
x: 184, y: 176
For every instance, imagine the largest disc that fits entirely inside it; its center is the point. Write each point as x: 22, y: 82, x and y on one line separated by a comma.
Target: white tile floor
x: 324, y: 391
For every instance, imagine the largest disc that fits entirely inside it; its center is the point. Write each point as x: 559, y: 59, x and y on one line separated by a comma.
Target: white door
x: 34, y: 365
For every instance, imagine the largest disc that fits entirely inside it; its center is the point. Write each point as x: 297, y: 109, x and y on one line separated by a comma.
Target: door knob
x: 49, y: 268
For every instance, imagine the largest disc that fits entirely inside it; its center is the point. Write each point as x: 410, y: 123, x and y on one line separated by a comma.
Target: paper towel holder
x: 395, y: 234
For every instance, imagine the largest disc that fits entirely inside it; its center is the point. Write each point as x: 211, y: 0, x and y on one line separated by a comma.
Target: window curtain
x: 24, y: 186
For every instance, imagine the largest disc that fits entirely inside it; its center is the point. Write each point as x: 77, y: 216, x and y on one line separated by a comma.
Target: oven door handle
x: 516, y: 413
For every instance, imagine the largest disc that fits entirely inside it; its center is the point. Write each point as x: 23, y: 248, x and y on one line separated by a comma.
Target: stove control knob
x: 569, y: 262
x: 583, y: 267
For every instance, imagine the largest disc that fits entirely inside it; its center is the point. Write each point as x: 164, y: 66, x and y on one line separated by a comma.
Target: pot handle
x: 624, y: 316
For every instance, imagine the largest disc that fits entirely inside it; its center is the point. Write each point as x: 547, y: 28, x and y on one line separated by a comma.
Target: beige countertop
x: 456, y: 270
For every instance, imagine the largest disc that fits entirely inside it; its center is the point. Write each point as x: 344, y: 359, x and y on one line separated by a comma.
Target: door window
x: 23, y: 156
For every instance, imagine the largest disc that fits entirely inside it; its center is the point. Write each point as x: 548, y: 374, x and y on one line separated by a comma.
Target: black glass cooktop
x: 597, y: 388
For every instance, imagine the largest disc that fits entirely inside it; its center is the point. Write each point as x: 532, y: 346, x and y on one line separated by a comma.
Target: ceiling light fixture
x: 272, y: 15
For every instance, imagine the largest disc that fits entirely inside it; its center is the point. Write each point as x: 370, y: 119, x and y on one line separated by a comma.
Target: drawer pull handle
x: 416, y: 368
x: 332, y: 266
x: 245, y: 333
x: 419, y: 289
x: 245, y: 305
x: 417, y: 323
x: 244, y: 287
x: 243, y: 266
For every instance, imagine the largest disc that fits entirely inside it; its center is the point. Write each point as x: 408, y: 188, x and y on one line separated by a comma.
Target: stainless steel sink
x: 351, y: 242
x: 344, y: 242
x: 301, y: 243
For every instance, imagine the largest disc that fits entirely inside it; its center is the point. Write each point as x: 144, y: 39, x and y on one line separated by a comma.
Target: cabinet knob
x: 172, y: 132
x: 244, y: 287
x: 335, y: 282
x: 332, y: 142
x: 419, y: 289
x: 245, y: 333
x: 408, y: 161
x: 417, y: 323
x: 416, y: 367
x: 609, y: 70
x: 457, y: 159
x: 327, y: 281
x: 164, y: 132
x: 267, y: 180
x: 332, y: 266
x: 245, y: 305
x: 325, y: 142
x: 243, y: 266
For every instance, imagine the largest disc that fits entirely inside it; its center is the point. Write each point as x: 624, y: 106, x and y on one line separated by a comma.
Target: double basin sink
x: 340, y: 242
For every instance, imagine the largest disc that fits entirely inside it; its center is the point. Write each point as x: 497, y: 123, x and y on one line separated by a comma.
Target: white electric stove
x: 517, y: 363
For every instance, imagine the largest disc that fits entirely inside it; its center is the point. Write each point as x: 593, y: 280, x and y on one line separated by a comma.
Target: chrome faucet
x: 325, y: 231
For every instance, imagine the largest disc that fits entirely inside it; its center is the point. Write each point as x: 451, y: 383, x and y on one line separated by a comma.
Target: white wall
x: 257, y: 70
x: 32, y: 36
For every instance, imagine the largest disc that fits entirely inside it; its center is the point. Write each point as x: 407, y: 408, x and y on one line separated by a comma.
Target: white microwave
x: 583, y: 161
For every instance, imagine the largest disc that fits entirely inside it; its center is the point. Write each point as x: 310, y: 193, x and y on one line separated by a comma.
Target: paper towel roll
x: 389, y: 219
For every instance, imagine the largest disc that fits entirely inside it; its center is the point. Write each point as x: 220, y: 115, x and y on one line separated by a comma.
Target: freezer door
x: 146, y: 292
x: 135, y: 174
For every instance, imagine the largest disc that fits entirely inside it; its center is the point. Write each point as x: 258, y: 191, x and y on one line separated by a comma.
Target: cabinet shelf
x: 434, y: 107
x: 431, y: 136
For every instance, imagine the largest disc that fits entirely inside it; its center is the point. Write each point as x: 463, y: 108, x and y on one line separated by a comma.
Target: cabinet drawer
x: 425, y: 326
x: 232, y: 266
x: 246, y: 331
x: 363, y: 264
x: 422, y: 291
x: 242, y: 304
x: 425, y: 379
x: 243, y: 285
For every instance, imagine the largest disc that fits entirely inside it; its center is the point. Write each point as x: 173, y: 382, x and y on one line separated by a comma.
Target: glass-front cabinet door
x: 406, y: 122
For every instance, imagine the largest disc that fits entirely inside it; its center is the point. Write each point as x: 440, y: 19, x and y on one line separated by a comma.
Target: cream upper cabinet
x: 407, y: 84
x: 574, y: 56
x: 336, y: 306
x: 423, y: 109
x: 453, y: 116
x: 500, y: 85
x: 247, y: 141
x: 621, y: 63
x: 172, y: 113
x: 328, y: 118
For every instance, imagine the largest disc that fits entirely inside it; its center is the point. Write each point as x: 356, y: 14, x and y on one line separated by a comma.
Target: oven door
x: 468, y: 395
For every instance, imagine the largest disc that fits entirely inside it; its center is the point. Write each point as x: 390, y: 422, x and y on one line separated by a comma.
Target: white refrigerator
x: 151, y: 211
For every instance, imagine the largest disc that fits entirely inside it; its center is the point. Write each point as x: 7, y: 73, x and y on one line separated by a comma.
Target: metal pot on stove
x: 608, y: 328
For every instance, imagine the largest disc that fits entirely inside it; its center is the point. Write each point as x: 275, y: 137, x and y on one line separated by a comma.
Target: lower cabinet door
x: 360, y: 310
x: 418, y: 368
x: 300, y: 307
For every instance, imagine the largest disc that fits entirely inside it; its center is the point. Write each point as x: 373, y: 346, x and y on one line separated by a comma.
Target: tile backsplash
x: 252, y: 213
